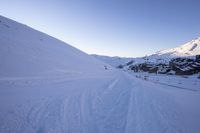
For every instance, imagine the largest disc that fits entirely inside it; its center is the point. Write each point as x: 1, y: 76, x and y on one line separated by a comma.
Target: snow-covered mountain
x: 189, y: 49
x: 48, y: 86
x: 25, y: 52
x: 113, y: 61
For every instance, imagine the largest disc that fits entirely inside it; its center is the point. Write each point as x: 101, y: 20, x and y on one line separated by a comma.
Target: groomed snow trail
x: 110, y: 102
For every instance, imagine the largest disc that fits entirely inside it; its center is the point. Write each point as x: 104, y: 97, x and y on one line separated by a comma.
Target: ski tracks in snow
x: 152, y: 111
x: 116, y: 104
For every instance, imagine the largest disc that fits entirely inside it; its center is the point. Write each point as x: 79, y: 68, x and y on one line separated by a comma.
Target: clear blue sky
x: 111, y: 27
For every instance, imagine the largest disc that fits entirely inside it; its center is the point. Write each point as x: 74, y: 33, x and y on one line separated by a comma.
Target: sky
x: 128, y: 28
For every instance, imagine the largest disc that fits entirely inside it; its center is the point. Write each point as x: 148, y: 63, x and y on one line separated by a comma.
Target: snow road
x: 104, y: 102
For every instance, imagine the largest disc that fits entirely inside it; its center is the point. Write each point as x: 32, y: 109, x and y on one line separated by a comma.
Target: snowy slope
x: 47, y: 86
x: 190, y: 48
x: 113, y: 61
x: 25, y: 51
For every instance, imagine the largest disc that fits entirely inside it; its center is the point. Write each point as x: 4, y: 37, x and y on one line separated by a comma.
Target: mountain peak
x: 190, y: 48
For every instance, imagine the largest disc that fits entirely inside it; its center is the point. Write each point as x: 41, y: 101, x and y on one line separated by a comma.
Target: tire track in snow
x: 72, y: 113
x: 155, y: 111
x: 112, y: 107
x: 45, y: 116
x: 119, y: 104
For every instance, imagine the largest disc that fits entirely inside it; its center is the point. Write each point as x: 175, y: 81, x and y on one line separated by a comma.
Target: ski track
x: 115, y: 104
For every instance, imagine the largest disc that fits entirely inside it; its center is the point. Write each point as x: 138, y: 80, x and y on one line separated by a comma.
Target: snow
x: 27, y: 52
x: 104, y: 102
x: 190, y: 48
x: 50, y: 87
x: 113, y: 61
x: 181, y: 82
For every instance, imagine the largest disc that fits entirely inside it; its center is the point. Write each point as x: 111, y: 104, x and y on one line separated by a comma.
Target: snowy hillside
x: 113, y: 61
x: 48, y: 86
x: 25, y: 52
x: 191, y: 48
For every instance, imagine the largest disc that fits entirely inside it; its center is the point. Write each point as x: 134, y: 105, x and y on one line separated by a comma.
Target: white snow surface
x: 47, y: 86
x: 27, y: 52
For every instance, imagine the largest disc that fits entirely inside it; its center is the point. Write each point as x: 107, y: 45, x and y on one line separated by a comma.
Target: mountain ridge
x: 188, y: 50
